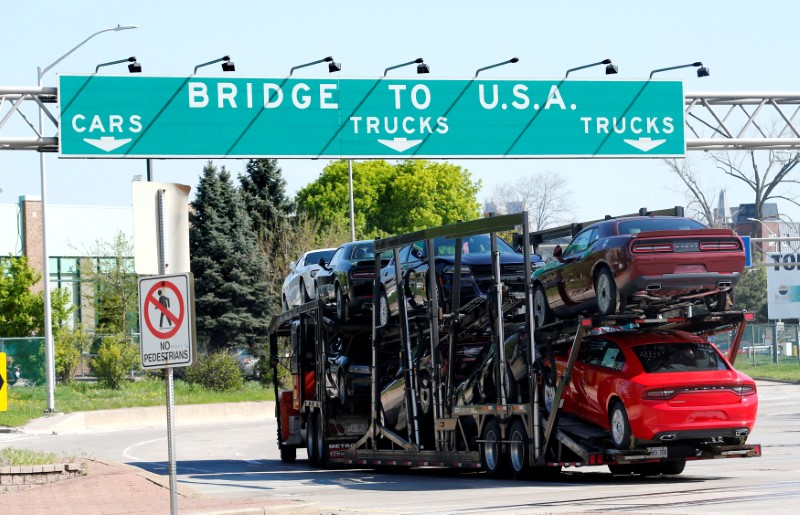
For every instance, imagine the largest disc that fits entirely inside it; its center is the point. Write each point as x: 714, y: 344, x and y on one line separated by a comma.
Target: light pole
x: 510, y: 61
x: 702, y: 71
x: 765, y: 226
x: 421, y: 66
x: 611, y: 69
x: 333, y: 66
x: 49, y: 347
x: 227, y: 64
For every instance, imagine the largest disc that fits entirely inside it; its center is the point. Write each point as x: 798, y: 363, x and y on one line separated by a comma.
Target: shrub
x: 217, y: 371
x: 70, y: 344
x: 115, y: 358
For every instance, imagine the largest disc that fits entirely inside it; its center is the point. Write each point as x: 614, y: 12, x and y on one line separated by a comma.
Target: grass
x: 29, y: 402
x: 762, y: 367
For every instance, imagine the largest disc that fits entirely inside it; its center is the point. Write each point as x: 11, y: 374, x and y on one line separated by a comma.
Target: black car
x: 347, y: 279
x: 476, y: 272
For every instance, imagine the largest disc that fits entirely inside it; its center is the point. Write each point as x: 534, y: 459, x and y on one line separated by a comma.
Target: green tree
x: 263, y: 190
x: 391, y: 199
x: 751, y: 293
x: 228, y: 266
x: 21, y: 310
x: 115, y: 290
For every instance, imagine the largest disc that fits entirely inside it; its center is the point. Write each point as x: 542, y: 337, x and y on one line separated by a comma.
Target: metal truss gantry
x: 713, y: 121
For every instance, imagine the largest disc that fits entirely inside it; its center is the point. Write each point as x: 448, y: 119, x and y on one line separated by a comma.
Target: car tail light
x: 745, y: 390
x: 652, y: 247
x: 660, y: 394
x: 719, y: 245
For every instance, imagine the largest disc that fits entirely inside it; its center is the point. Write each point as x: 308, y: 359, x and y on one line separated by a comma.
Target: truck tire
x: 605, y: 291
x: 288, y: 454
x: 620, y: 426
x: 518, y: 449
x: 493, y: 459
x: 311, y: 447
x: 321, y: 442
x: 542, y: 314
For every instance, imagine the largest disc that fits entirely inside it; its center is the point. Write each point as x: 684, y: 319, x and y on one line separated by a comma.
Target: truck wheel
x: 673, y: 468
x: 620, y: 426
x: 605, y: 290
x: 518, y: 449
x: 621, y: 470
x: 311, y: 447
x: 288, y: 454
x: 492, y: 458
x: 321, y: 442
x: 542, y: 314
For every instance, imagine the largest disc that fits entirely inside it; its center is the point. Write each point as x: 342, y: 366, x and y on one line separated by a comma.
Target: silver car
x: 299, y: 287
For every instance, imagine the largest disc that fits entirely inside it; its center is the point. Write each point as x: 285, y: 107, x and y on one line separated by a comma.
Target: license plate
x: 356, y: 428
x: 657, y: 452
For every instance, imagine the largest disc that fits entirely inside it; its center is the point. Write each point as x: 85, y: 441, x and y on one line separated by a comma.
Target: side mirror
x: 557, y: 253
x: 321, y: 262
x: 292, y: 266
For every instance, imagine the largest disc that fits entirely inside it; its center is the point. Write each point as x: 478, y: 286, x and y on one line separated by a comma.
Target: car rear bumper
x: 663, y: 422
x: 680, y: 285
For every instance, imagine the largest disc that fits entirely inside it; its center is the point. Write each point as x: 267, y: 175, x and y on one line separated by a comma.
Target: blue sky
x: 747, y: 47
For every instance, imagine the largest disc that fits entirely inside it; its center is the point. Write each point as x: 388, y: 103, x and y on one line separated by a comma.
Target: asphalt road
x: 242, y: 460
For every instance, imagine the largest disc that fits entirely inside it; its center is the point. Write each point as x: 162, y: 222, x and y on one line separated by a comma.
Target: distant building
x: 72, y: 232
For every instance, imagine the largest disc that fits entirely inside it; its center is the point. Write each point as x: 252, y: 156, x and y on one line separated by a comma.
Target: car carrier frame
x: 508, y: 435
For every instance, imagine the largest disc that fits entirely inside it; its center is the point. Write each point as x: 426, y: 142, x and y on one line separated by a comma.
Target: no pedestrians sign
x: 166, y: 319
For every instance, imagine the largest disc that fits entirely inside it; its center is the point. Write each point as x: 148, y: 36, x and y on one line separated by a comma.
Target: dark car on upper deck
x: 647, y: 262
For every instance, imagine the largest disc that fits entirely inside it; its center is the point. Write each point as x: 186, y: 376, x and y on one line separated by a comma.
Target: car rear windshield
x: 313, y: 257
x: 658, y: 224
x: 679, y: 357
x: 478, y: 244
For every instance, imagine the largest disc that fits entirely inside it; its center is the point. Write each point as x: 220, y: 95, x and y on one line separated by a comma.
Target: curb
x: 148, y: 417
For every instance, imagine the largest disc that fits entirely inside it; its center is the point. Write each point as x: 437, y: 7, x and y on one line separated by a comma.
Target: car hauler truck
x: 419, y: 391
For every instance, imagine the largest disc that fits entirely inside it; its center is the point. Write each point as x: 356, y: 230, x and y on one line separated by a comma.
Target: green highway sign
x: 214, y: 117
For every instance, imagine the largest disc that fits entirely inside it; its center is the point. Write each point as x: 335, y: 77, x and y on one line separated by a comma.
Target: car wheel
x: 425, y: 394
x: 716, y: 301
x: 673, y: 468
x: 518, y: 449
x: 383, y: 310
x: 542, y: 313
x: 548, y: 394
x: 341, y: 305
x: 620, y: 426
x: 344, y: 397
x: 605, y: 290
x: 288, y: 454
x: 492, y: 458
x: 311, y: 446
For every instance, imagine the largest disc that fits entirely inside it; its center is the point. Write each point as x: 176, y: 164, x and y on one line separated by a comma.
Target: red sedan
x: 647, y: 263
x: 658, y: 386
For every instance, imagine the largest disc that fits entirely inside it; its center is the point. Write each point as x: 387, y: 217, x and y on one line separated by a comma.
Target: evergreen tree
x: 228, y: 266
x: 263, y: 190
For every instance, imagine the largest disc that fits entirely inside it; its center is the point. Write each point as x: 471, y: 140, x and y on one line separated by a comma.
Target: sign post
x: 166, y: 320
x: 388, y: 118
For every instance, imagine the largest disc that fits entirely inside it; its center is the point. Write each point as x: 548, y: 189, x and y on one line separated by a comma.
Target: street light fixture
x: 611, y: 69
x: 134, y: 67
x: 765, y: 226
x: 227, y: 64
x: 421, y: 66
x: 510, y: 61
x: 333, y: 66
x: 49, y: 347
x: 702, y: 71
